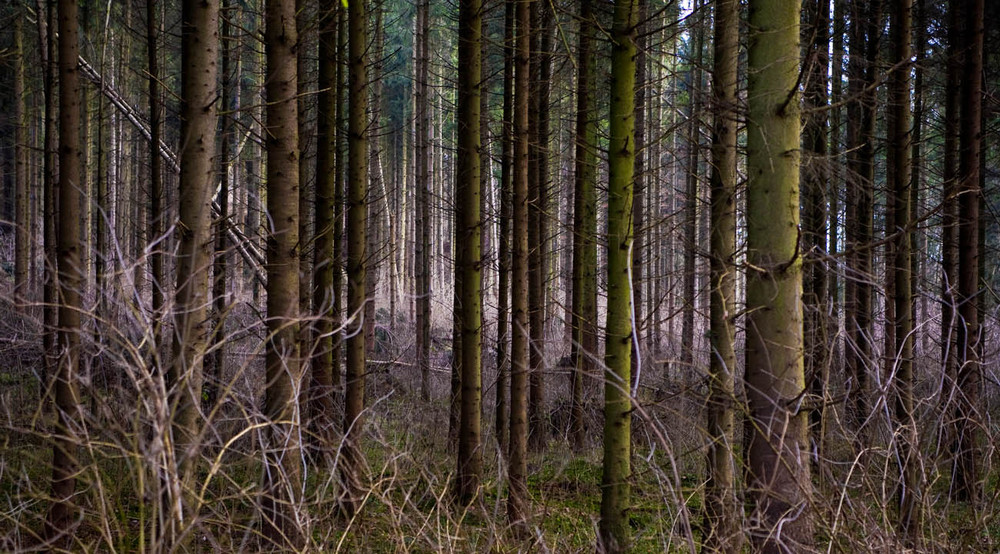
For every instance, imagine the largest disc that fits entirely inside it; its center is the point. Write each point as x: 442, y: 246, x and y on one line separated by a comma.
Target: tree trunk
x: 723, y: 531
x: 357, y: 259
x: 583, y: 347
x: 422, y: 152
x: 517, y: 499
x: 778, y: 474
x: 966, y: 482
x: 468, y: 234
x: 615, y: 487
x: 21, y: 220
x: 156, y: 216
x: 691, y: 202
x: 816, y: 177
x: 199, y: 51
x: 63, y: 512
x: 900, y: 271
x: 502, y: 418
x: 324, y: 262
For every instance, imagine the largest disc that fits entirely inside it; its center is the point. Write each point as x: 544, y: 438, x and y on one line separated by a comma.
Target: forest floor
x: 410, y: 470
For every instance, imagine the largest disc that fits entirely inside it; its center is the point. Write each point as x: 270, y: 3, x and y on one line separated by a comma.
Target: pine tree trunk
x: 63, y: 511
x: 517, y: 499
x: 284, y: 380
x: 778, y: 472
x: 199, y: 51
x: 583, y: 347
x: 324, y: 262
x: 357, y: 258
x: 900, y: 271
x: 422, y: 153
x: 615, y: 487
x: 722, y: 517
x: 966, y: 483
x: 21, y: 220
x: 468, y: 235
x: 502, y: 418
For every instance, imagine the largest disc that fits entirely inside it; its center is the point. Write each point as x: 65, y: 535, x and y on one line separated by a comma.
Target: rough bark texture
x: 617, y: 473
x: 583, y: 348
x: 517, y: 495
x: 156, y: 216
x: 21, y: 220
x: 284, y: 382
x: 357, y: 258
x: 199, y: 52
x: 468, y: 235
x: 423, y: 195
x: 502, y: 417
x: 324, y: 264
x: 899, y: 270
x: 723, y: 532
x: 778, y: 475
x: 966, y: 482
x: 63, y: 512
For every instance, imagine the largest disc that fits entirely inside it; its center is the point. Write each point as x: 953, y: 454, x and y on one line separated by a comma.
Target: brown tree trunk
x: 357, y: 259
x: 63, y: 512
x: 517, y: 495
x: 502, y: 417
x: 722, y: 517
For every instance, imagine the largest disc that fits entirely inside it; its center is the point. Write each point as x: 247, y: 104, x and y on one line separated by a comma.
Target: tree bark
x: 468, y: 235
x: 22, y: 222
x: 517, y: 496
x: 357, y: 258
x: 966, y: 484
x: 617, y: 473
x: 778, y: 474
x: 63, y: 511
x: 502, y: 417
x: 583, y: 348
x: 723, y: 531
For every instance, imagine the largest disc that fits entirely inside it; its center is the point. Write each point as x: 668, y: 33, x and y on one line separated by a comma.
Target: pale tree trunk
x: 63, y: 511
x: 723, y: 532
x: 617, y: 472
x: 778, y: 474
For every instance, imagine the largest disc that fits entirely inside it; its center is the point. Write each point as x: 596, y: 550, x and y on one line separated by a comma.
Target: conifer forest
x: 491, y: 276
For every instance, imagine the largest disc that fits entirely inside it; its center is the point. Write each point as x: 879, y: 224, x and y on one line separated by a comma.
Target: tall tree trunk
x: 966, y: 484
x: 583, y: 347
x: 284, y: 381
x: 324, y: 262
x: 199, y: 51
x: 21, y: 220
x: 538, y: 227
x: 638, y: 201
x: 778, y: 474
x: 502, y: 417
x: 615, y: 488
x: 50, y: 192
x: 900, y: 270
x: 862, y: 85
x: 422, y: 153
x: 691, y: 201
x: 156, y: 216
x: 517, y: 499
x: 63, y: 512
x: 357, y: 258
x: 722, y: 517
x: 949, y: 224
x: 220, y: 264
x: 468, y: 234
x: 815, y: 176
